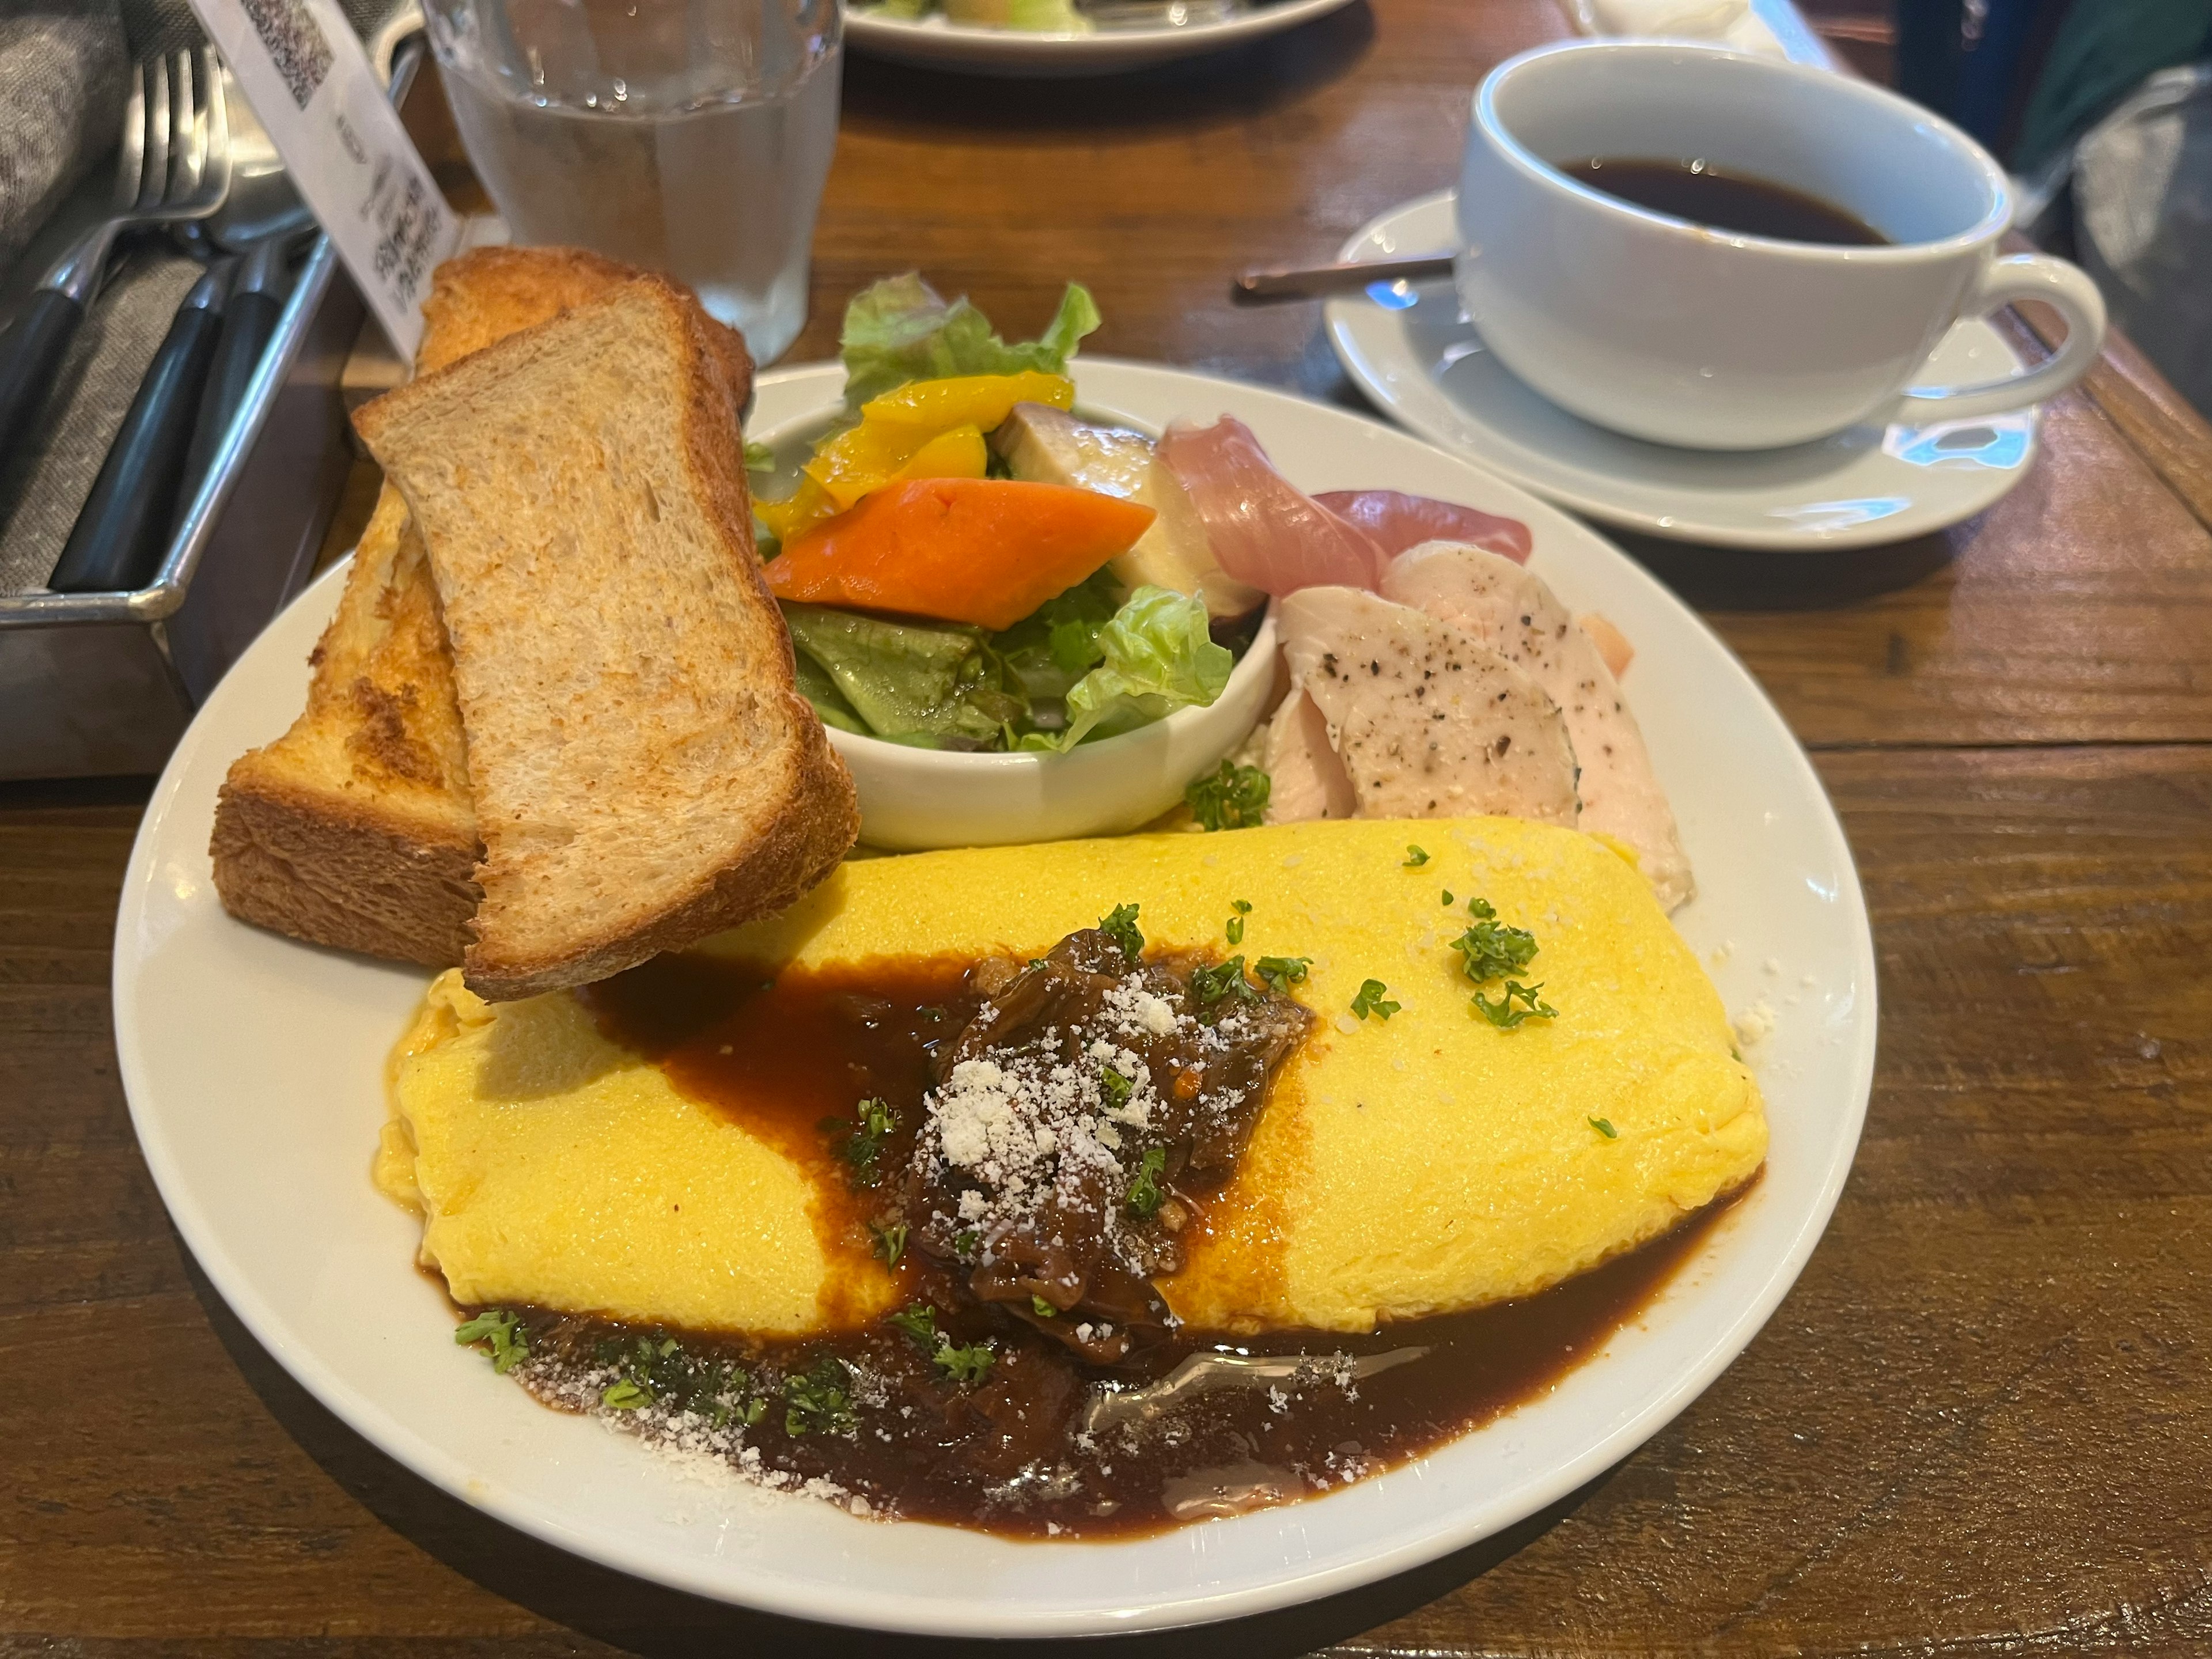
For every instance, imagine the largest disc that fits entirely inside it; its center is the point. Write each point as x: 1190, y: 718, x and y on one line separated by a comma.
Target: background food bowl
x: 914, y: 799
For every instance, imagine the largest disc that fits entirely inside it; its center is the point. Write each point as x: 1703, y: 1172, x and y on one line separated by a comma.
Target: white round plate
x: 934, y: 43
x: 1413, y: 351
x: 254, y: 1067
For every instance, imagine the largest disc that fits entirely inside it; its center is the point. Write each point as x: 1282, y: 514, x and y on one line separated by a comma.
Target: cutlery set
x: 174, y: 174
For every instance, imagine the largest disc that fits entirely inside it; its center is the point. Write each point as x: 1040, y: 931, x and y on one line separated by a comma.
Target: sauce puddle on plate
x: 974, y: 1403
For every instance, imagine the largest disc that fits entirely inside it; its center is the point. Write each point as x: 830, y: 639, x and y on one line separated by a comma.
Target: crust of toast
x: 487, y: 294
x: 581, y: 732
x: 357, y: 829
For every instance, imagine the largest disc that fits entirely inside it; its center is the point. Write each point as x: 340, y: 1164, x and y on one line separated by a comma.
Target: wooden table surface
x: 1981, y: 1423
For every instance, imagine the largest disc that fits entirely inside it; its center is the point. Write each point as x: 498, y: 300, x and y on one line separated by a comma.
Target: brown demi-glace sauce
x: 1008, y: 1454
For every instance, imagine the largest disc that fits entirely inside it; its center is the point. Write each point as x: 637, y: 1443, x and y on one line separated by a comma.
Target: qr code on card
x: 410, y: 222
x: 296, y: 43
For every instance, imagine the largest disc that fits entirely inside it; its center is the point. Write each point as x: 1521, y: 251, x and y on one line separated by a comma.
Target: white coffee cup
x: 1685, y: 334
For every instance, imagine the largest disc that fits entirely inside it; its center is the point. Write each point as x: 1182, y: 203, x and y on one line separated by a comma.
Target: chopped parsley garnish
x: 1230, y: 798
x: 1117, y: 1088
x: 967, y: 1366
x: 1504, y: 1016
x: 649, y: 1372
x: 1043, y: 1309
x: 1224, y: 980
x: 502, y: 1333
x: 759, y: 457
x: 1235, y: 931
x: 964, y: 1243
x: 1415, y: 856
x: 919, y: 1321
x: 1242, y: 907
x: 890, y: 1241
x: 860, y: 1142
x: 1374, y: 998
x: 1604, y: 1127
x: 819, y: 1399
x: 1280, y: 972
x: 1120, y: 925
x: 1489, y: 950
x: 1448, y: 898
x: 1145, y: 1196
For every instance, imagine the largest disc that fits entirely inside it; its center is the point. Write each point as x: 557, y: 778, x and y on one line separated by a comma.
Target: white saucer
x: 934, y: 43
x: 1413, y: 351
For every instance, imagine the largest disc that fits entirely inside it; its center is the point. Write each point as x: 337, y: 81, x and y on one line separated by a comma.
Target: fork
x: 173, y: 165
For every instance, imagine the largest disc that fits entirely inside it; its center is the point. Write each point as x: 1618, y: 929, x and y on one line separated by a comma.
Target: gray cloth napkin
x: 43, y: 489
x: 63, y: 69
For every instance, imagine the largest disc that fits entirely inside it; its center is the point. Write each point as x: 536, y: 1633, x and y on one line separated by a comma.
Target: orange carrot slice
x: 982, y: 551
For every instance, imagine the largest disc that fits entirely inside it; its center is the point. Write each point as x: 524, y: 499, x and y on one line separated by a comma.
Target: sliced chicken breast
x: 1428, y: 721
x: 1512, y: 612
x: 1307, y: 779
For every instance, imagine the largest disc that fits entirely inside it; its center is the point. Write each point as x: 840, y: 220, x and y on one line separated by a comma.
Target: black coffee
x: 1726, y: 201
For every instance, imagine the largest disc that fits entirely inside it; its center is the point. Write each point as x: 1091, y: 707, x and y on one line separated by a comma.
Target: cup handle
x: 2067, y: 290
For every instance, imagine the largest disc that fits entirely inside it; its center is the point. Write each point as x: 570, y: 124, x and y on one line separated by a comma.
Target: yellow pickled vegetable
x: 923, y: 429
x: 959, y: 454
x: 894, y: 427
x: 981, y: 400
x: 797, y: 512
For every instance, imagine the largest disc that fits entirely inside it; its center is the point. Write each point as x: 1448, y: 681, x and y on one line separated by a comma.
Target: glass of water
x: 690, y: 137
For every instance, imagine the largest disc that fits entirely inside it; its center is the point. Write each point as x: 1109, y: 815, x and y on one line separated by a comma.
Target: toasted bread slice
x: 356, y: 828
x: 644, y: 769
x: 485, y: 296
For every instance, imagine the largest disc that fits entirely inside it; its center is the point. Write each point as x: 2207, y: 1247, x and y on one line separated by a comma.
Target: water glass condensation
x: 690, y: 137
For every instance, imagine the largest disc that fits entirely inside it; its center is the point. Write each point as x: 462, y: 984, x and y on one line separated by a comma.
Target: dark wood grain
x: 1979, y: 1421
x: 1979, y: 1426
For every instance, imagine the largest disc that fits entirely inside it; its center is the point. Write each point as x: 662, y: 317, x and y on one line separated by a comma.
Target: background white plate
x: 934, y: 43
x: 1413, y: 351
x: 254, y: 1067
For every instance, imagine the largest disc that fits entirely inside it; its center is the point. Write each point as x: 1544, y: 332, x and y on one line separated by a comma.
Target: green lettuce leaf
x: 1158, y: 658
x: 934, y: 685
x: 819, y: 688
x: 900, y: 329
x: 1055, y: 645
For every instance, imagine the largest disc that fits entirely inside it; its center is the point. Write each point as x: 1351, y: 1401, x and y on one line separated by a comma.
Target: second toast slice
x: 644, y: 770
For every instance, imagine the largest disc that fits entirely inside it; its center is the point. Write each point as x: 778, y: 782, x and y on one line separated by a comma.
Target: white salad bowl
x: 914, y: 800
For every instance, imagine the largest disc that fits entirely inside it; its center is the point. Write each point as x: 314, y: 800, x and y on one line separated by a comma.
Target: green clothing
x: 2102, y: 53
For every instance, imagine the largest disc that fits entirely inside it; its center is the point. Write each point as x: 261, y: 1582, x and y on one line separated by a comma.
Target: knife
x: 249, y: 320
x: 117, y: 543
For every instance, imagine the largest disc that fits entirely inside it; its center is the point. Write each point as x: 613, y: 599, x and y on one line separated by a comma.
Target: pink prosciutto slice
x: 1396, y: 521
x: 1262, y: 529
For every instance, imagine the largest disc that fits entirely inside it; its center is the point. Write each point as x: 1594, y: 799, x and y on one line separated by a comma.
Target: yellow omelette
x: 1423, y: 1163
